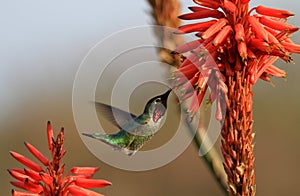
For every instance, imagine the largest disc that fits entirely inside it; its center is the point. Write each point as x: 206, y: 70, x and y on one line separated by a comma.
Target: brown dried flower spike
x: 51, y: 181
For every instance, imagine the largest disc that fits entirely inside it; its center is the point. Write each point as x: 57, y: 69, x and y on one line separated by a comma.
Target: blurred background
x: 42, y: 46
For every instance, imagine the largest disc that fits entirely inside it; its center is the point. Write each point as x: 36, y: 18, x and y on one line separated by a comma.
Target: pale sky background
x: 42, y: 44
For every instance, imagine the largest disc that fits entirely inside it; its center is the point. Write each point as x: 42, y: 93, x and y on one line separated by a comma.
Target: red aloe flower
x: 51, y: 181
x: 236, y: 48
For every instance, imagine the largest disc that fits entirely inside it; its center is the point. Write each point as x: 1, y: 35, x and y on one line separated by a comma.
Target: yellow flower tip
x: 208, y: 104
x: 285, y: 78
x: 272, y: 84
x: 284, y: 75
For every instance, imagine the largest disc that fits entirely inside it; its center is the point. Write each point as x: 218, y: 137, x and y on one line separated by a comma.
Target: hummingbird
x: 134, y: 131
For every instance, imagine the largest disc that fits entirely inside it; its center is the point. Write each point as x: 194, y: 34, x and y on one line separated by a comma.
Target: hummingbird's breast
x: 144, y: 129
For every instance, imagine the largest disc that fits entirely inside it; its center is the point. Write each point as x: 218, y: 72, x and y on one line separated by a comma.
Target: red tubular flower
x: 208, y: 3
x: 19, y: 193
x: 202, y: 14
x: 37, y: 154
x: 195, y: 27
x: 273, y: 12
x: 50, y: 181
x: 236, y: 32
x: 230, y: 6
x: 277, y: 25
x: 26, y: 161
x: 213, y: 29
x: 222, y: 36
x: 257, y: 29
x: 235, y: 50
x: 77, y: 190
x: 239, y: 32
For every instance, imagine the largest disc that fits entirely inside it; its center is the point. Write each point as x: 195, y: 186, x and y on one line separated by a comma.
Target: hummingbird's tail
x: 103, y: 138
x: 113, y: 140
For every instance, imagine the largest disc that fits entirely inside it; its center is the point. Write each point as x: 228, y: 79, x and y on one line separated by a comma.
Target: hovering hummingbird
x: 135, y: 131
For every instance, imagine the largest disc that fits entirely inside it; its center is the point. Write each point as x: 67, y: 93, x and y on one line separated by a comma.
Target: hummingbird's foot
x: 129, y: 152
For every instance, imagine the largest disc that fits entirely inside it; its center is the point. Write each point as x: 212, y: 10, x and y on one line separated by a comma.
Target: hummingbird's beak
x: 164, y: 97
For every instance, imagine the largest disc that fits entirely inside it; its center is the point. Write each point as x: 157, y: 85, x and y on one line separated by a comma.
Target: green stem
x: 211, y: 159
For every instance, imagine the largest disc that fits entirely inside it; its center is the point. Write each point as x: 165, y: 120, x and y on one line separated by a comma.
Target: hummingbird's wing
x: 116, y: 116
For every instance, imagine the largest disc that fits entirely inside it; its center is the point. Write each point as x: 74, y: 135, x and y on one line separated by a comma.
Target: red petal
x: 207, y: 3
x: 245, y: 1
x: 291, y: 47
x: 198, y: 9
x: 229, y: 6
x: 37, y: 154
x: 188, y: 46
x: 257, y: 29
x: 202, y: 14
x: 91, y: 183
x: 222, y: 35
x: 20, y: 176
x: 200, y: 26
x: 251, y: 54
x: 273, y: 12
x: 76, y: 190
x: 278, y: 25
x: 26, y: 161
x: 242, y: 48
x: 17, y: 170
x: 196, y: 101
x: 213, y: 29
x: 258, y: 44
x: 188, y: 71
x: 50, y: 135
x: 28, y: 186
x: 263, y: 64
x: 19, y: 193
x: 73, y: 178
x: 275, y: 71
x: 33, y: 174
x: 265, y: 77
x: 46, y: 178
x: 239, y: 32
x: 84, y: 170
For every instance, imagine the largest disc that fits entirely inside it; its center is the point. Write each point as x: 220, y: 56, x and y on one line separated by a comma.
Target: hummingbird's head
x: 156, y: 107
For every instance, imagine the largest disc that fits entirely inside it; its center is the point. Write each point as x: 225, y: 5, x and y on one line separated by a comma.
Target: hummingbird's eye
x: 158, y: 100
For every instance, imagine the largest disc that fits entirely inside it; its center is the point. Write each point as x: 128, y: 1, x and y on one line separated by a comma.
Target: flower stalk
x: 164, y: 13
x: 237, y: 134
x: 211, y: 158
